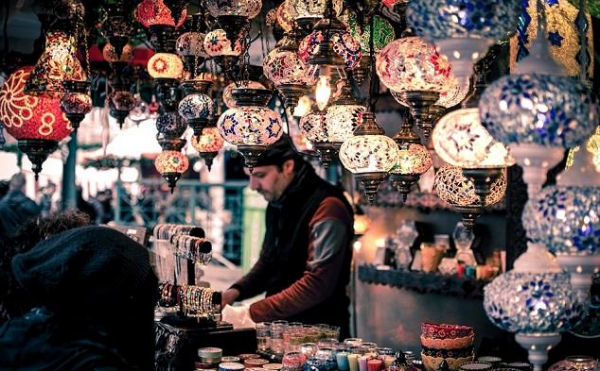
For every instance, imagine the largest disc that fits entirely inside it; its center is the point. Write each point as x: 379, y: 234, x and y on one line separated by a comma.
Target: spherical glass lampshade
x: 57, y: 63
x: 209, y: 141
x: 217, y: 44
x: 110, y: 54
x: 156, y: 13
x: 384, y: 32
x: 196, y: 106
x: 244, y: 8
x: 170, y: 124
x: 284, y: 67
x: 171, y: 162
x: 191, y: 44
x: 228, y: 97
x: 547, y: 110
x: 27, y: 116
x: 565, y: 219
x: 454, y: 93
x: 121, y: 100
x: 315, y: 8
x: 76, y: 103
x: 286, y: 13
x: 463, y: 29
x: 165, y: 66
x: 342, y: 43
x: 460, y: 140
x: 453, y: 187
x: 369, y: 153
x: 341, y: 120
x: 312, y: 126
x: 413, y: 158
x: 250, y: 125
x: 411, y: 64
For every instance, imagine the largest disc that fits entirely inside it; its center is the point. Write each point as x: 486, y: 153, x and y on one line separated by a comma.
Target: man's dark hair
x: 279, y: 152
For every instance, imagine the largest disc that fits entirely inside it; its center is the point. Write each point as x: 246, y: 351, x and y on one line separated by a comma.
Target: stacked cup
x: 453, y: 343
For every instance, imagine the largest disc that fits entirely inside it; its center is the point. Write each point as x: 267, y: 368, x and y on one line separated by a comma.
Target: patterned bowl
x: 445, y: 331
x: 432, y: 363
x: 448, y: 353
x: 456, y: 343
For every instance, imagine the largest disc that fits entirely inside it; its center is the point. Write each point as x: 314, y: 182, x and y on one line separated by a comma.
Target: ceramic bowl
x: 448, y: 353
x: 445, y: 331
x: 457, y: 343
x: 432, y: 363
x: 574, y: 363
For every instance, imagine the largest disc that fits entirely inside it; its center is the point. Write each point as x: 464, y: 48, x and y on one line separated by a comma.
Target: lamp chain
x: 371, y: 91
x: 583, y: 57
x: 246, y: 58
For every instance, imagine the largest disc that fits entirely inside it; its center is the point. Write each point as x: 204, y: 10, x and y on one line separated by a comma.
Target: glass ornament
x: 196, y: 106
x: 57, y: 63
x: 342, y: 43
x: 413, y: 158
x: 460, y: 140
x: 191, y: 44
x: 547, y: 110
x: 155, y: 13
x: 209, y: 141
x: 411, y: 64
x: 242, y: 8
x: 170, y: 124
x: 453, y: 187
x: 565, y: 219
x: 227, y: 92
x: 250, y: 125
x: 463, y: 30
x: 217, y: 44
x: 110, y: 54
x: 286, y: 13
x: 165, y: 66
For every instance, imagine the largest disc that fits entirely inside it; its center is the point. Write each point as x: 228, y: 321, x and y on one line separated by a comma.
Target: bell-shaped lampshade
x: 243, y: 8
x: 57, y: 64
x: 37, y: 122
x: 463, y: 32
x: 165, y: 66
x: 110, y: 54
x: 227, y: 92
x: 155, y: 13
x: 171, y: 165
x: 191, y: 44
x: 218, y: 44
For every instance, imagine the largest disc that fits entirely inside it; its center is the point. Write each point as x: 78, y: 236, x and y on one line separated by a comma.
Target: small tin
x: 495, y: 361
x: 230, y: 359
x: 272, y: 366
x: 475, y: 366
x: 231, y: 366
x: 246, y: 356
x: 210, y: 356
x: 255, y: 362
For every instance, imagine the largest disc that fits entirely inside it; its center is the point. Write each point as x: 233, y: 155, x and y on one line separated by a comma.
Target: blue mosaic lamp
x: 538, y: 111
x: 463, y: 30
x: 535, y: 300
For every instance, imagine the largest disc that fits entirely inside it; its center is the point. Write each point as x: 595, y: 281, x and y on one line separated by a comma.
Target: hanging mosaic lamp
x: 171, y: 125
x: 463, y: 30
x: 535, y: 300
x: 369, y: 155
x: 117, y: 28
x: 309, y: 12
x: 171, y: 164
x: 190, y: 45
x: 208, y: 144
x: 414, y: 69
x: 218, y: 43
x: 228, y: 98
x: 286, y: 15
x: 109, y: 53
x: 251, y: 126
x: 453, y: 187
x: 196, y: 107
x: 120, y: 103
x: 76, y: 102
x: 414, y: 159
x: 151, y: 13
x: 36, y: 122
x: 538, y: 112
x: 236, y: 8
x: 328, y: 51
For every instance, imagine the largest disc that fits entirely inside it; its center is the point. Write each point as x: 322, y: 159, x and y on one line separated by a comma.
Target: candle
x: 353, y: 362
x: 342, y: 361
x: 374, y: 365
x: 362, y: 363
x: 387, y: 360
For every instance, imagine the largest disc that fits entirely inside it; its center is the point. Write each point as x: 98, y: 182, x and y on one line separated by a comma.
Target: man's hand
x: 229, y: 297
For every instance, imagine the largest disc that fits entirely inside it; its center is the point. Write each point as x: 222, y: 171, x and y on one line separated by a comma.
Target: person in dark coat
x: 304, y: 264
x: 94, y: 292
x: 16, y: 208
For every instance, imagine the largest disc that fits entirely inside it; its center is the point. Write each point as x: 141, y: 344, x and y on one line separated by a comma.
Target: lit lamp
x: 369, y: 155
x: 327, y: 51
x: 171, y: 164
x: 309, y: 12
x: 414, y: 69
x: 286, y: 14
x: 218, y: 43
x: 538, y: 112
x: 37, y: 122
x: 362, y: 222
x: 535, y: 300
x: 251, y: 126
x: 165, y: 66
x: 120, y: 102
x: 197, y: 106
x: 454, y: 188
x: 190, y: 45
x: 208, y: 144
x: 152, y: 13
x: 463, y: 31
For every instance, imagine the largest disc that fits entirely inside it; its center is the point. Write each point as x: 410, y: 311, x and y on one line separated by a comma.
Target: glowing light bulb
x: 323, y: 92
x: 303, y: 106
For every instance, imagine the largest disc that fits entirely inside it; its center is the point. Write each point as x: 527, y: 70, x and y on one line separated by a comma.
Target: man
x: 304, y: 265
x: 16, y: 208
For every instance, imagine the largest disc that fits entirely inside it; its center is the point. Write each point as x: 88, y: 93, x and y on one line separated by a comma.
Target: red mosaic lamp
x: 36, y: 122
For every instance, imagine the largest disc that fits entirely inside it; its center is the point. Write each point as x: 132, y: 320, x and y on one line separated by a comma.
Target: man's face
x: 270, y: 181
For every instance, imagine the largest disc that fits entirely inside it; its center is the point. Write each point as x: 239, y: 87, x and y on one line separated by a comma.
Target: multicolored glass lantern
x: 243, y: 8
x: 369, y: 155
x: 218, y: 44
x: 413, y: 161
x: 110, y: 54
x: 463, y: 30
x: 171, y: 165
x: 286, y: 14
x: 191, y: 44
x: 208, y: 144
x: 252, y: 126
x: 197, y: 106
x: 37, y: 122
x: 155, y: 13
x: 165, y: 66
x: 453, y: 187
x: 170, y: 124
x: 228, y: 99
x: 76, y: 102
x: 120, y: 103
x: 308, y: 12
x: 57, y: 64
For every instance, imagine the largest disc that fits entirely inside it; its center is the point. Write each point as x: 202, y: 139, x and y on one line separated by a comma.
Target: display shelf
x: 423, y: 282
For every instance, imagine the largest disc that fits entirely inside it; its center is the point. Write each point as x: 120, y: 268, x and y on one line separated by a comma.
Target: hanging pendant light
x: 229, y: 100
x: 117, y: 28
x: 208, y: 144
x: 76, y: 102
x: 120, y: 103
x: 309, y: 12
x: 171, y: 163
x: 197, y: 106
